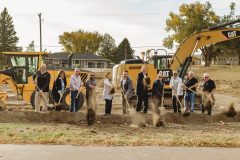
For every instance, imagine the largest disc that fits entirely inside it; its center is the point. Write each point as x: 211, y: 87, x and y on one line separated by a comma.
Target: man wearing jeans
x: 75, y: 84
x: 190, y: 86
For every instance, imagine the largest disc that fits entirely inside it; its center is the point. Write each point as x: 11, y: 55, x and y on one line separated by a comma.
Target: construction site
x: 87, y: 96
x: 21, y: 125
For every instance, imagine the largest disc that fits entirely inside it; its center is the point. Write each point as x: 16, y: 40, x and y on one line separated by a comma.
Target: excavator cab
x: 161, y: 61
x: 161, y: 64
x: 22, y: 67
x: 18, y: 68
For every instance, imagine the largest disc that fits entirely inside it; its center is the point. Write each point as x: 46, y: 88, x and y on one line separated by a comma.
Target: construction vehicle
x: 180, y: 61
x: 19, y: 68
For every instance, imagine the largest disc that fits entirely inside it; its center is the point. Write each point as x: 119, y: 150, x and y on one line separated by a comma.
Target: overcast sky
x: 141, y: 21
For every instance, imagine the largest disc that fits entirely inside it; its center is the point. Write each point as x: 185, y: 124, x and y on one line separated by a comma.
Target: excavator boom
x: 198, y: 40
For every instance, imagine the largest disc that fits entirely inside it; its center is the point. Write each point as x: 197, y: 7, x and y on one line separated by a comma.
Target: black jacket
x: 43, y: 81
x: 209, y: 86
x: 141, y: 89
x: 56, y: 87
x: 157, y: 89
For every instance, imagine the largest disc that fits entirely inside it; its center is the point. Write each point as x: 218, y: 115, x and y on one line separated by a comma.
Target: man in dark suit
x: 142, y: 91
x: 127, y: 91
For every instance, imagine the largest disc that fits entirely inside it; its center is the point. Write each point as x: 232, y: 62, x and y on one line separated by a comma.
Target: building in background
x: 64, y: 59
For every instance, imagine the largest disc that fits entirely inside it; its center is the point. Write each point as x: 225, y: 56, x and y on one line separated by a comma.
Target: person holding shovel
x: 90, y: 91
x: 177, y: 92
x: 108, y: 93
x: 158, y: 96
x: 157, y: 91
x: 127, y: 91
x: 209, y: 89
x: 59, y: 87
x: 142, y: 90
x: 75, y: 88
x: 190, y: 86
x: 41, y: 79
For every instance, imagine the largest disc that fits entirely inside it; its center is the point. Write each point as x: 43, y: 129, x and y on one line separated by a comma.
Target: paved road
x: 60, y: 152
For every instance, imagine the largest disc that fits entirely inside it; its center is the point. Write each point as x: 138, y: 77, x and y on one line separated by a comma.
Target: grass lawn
x: 208, y: 135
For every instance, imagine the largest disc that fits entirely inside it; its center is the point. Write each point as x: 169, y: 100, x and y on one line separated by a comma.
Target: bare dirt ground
x: 20, y: 125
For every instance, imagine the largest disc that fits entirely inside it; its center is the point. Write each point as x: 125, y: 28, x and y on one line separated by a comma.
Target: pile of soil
x: 80, y: 118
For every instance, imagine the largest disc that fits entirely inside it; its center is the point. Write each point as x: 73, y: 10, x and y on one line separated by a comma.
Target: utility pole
x: 40, y: 27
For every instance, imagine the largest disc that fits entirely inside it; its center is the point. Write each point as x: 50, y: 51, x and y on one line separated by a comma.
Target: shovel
x: 44, y: 97
x: 59, y: 105
x: 125, y: 98
x: 77, y: 98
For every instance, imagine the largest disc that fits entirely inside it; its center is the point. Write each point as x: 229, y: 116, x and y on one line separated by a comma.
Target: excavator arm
x: 197, y: 40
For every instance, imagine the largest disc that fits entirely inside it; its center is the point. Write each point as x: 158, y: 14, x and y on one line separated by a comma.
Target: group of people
x: 178, y: 86
x: 181, y: 90
x: 42, y: 80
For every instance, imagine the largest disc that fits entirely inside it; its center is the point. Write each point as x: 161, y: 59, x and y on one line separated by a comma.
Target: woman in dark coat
x: 59, y: 86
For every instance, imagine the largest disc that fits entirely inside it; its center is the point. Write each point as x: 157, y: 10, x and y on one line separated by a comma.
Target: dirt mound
x: 231, y: 111
x: 80, y: 118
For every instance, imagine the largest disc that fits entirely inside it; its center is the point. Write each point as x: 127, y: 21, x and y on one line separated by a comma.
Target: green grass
x: 209, y: 135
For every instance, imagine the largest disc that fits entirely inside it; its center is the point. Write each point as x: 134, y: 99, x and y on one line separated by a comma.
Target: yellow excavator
x: 180, y: 61
x: 18, y: 69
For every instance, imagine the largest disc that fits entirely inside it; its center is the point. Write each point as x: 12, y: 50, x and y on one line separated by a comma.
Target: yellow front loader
x: 19, y: 68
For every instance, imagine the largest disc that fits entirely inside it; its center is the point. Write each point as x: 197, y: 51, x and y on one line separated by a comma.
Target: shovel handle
x: 177, y: 98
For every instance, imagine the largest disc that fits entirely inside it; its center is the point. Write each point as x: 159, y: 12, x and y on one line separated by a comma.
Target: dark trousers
x: 108, y: 106
x: 142, y: 98
x: 176, y: 104
x: 74, y: 101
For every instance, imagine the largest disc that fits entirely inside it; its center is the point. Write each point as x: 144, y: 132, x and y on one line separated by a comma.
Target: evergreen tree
x: 8, y: 38
x: 123, y: 47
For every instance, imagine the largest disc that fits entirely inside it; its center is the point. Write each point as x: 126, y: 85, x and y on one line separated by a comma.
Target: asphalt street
x: 67, y: 152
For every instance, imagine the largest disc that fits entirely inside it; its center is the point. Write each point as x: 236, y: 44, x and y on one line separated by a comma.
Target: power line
x: 93, y: 15
x: 55, y: 46
x: 146, y: 46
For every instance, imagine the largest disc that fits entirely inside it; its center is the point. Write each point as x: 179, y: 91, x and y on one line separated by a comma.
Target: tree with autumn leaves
x: 193, y: 17
x: 92, y: 42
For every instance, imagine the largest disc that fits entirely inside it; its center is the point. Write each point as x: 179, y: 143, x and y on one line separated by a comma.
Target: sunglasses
x: 206, y: 77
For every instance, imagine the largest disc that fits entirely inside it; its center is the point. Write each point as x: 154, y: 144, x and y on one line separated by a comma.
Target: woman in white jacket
x: 107, y: 96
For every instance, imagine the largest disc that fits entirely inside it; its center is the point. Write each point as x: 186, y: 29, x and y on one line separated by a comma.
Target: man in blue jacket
x: 157, y: 95
x: 157, y: 90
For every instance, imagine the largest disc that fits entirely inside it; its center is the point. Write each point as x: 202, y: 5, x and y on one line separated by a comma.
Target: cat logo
x: 165, y: 73
x: 231, y: 34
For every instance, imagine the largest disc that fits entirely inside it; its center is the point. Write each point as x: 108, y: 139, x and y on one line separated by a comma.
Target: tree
x: 192, y: 18
x: 233, y: 44
x: 31, y: 47
x: 123, y: 47
x: 108, y: 47
x: 81, y: 41
x: 8, y: 38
